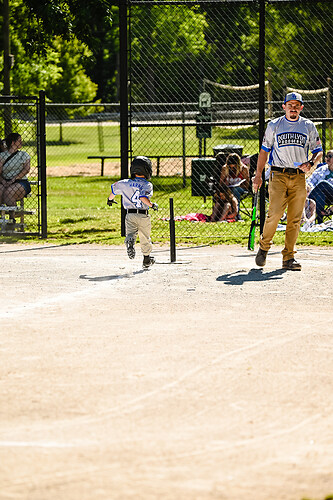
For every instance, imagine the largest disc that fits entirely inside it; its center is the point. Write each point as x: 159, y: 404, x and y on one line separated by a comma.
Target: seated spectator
x: 14, y: 166
x: 235, y: 175
x: 225, y: 205
x: 320, y: 186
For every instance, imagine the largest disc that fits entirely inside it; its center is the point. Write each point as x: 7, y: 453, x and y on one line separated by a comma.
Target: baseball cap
x: 293, y: 96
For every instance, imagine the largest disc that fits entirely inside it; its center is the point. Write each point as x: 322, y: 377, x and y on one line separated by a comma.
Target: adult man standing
x: 288, y: 140
x: 320, y: 185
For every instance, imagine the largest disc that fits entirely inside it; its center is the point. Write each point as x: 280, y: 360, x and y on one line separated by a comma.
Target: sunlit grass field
x: 75, y: 142
x: 76, y: 205
x: 78, y: 213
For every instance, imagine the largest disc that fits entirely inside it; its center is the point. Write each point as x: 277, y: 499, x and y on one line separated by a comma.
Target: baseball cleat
x: 130, y: 248
x: 147, y: 261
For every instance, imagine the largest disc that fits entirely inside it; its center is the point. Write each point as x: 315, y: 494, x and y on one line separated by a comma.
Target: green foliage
x: 70, y: 18
x: 166, y: 40
x: 298, y: 44
x: 49, y: 63
x: 75, y: 85
x: 173, y: 47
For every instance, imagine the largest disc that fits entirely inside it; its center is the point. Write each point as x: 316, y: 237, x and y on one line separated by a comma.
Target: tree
x: 57, y: 66
x: 92, y: 22
x: 69, y: 18
x: 166, y: 42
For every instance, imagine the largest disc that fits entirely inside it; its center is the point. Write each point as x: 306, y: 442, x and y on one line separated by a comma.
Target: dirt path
x: 203, y: 379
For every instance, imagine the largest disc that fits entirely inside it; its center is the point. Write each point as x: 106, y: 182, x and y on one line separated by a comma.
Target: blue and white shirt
x: 322, y: 173
x: 289, y: 142
x: 132, y: 190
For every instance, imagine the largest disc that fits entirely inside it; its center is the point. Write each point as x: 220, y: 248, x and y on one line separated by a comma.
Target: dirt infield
x: 202, y: 379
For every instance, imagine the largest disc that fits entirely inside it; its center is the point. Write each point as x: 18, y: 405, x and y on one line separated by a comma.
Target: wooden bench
x: 5, y: 218
x: 102, y: 158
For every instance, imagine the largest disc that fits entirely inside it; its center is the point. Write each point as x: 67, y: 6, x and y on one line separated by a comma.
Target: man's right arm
x: 257, y: 179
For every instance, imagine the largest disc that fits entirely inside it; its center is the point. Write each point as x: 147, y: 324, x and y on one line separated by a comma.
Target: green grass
x: 77, y: 213
x: 77, y: 141
x: 77, y: 210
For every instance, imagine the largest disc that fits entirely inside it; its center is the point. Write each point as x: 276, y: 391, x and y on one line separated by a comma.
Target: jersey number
x: 136, y: 199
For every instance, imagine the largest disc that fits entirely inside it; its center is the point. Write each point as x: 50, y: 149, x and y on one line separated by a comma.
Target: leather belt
x: 287, y: 170
x: 136, y: 211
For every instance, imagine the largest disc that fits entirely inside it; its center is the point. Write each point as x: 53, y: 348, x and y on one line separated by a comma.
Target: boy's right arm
x: 110, y: 199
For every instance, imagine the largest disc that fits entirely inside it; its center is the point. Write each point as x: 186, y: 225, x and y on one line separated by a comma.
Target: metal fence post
x: 42, y: 161
x: 262, y: 124
x: 172, y: 232
x: 184, y: 148
x: 123, y: 82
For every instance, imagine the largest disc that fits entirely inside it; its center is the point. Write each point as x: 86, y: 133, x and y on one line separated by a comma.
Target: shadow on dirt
x: 111, y: 277
x: 252, y: 275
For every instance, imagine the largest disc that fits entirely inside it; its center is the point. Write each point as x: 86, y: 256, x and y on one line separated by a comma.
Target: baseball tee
x: 289, y: 142
x: 132, y: 190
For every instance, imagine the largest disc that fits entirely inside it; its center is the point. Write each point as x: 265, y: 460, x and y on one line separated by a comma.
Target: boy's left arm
x: 147, y: 201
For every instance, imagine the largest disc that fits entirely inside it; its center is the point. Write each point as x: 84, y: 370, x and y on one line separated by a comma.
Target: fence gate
x: 26, y: 116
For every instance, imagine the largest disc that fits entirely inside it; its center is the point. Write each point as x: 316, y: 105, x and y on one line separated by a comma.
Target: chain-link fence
x: 21, y: 115
x: 194, y: 93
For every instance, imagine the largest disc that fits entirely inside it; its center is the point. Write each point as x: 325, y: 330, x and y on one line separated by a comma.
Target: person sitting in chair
x: 235, y: 175
x: 14, y: 167
x: 225, y: 205
x: 320, y: 186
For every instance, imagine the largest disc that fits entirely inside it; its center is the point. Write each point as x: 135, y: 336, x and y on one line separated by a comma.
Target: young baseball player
x: 287, y: 142
x: 136, y: 193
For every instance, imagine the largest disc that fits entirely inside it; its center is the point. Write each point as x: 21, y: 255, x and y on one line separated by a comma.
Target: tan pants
x: 285, y: 190
x: 139, y: 223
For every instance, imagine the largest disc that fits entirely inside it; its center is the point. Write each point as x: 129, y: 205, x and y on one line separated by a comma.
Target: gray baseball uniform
x: 137, y: 218
x: 132, y: 190
x: 289, y: 142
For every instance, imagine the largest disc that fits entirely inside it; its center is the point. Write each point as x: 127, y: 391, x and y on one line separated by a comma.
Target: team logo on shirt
x: 291, y: 139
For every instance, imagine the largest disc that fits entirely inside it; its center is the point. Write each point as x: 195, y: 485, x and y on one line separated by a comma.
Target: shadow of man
x: 252, y: 275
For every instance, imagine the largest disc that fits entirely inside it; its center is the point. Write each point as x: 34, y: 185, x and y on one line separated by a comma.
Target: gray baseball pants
x: 139, y: 224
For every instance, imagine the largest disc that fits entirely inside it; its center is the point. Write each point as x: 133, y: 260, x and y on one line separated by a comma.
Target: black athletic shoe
x: 130, y: 248
x: 291, y: 265
x: 147, y: 261
x: 261, y: 257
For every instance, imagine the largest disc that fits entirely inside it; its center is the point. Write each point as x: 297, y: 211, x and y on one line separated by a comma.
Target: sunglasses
x: 329, y: 156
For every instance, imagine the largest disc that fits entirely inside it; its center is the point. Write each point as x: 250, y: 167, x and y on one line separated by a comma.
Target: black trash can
x: 202, y: 170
